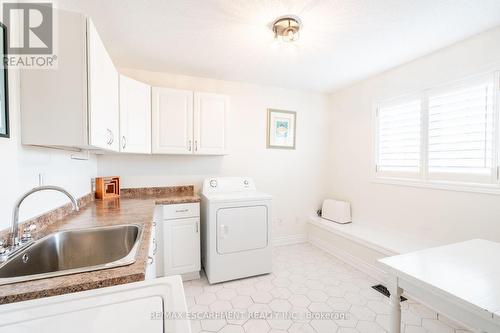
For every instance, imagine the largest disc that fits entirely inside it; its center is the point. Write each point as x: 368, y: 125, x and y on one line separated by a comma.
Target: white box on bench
x: 336, y: 211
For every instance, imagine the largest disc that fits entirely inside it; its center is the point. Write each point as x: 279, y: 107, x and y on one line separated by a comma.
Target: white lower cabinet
x: 182, y: 251
x: 180, y: 241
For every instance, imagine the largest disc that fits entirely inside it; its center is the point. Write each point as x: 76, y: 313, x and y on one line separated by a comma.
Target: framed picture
x: 281, y: 129
x: 4, y: 101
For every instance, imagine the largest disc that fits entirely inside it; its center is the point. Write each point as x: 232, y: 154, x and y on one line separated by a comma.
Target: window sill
x: 493, y: 189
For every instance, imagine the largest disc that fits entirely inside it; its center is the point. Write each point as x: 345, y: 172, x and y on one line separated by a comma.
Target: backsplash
x: 46, y: 219
x: 128, y: 193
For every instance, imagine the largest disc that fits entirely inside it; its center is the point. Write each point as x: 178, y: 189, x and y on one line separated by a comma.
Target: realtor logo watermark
x: 30, y: 30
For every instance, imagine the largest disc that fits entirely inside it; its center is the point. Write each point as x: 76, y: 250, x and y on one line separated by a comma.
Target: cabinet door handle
x: 181, y: 210
x: 190, y: 145
x: 197, y: 227
x: 150, y: 260
x: 124, y: 142
x: 110, y: 134
x: 195, y: 145
x: 111, y: 137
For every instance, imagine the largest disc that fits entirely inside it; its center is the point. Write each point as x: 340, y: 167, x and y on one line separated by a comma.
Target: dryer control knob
x: 213, y: 183
x: 246, y: 182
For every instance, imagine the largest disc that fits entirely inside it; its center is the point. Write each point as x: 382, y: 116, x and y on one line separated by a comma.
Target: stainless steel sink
x: 74, y: 251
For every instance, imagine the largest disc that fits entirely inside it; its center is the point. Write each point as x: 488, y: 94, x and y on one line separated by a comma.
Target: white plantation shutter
x: 398, y: 142
x: 447, y: 136
x: 461, y: 132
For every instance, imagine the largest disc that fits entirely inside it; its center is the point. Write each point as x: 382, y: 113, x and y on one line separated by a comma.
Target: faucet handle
x: 27, y: 233
x: 3, y: 249
x: 4, y: 252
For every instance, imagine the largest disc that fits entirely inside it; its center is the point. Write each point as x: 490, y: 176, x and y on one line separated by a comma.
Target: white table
x: 460, y: 280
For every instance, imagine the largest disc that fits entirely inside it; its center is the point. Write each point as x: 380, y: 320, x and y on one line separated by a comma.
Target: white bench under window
x: 362, y: 245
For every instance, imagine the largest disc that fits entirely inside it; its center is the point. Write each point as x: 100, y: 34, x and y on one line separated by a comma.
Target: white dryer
x: 235, y: 229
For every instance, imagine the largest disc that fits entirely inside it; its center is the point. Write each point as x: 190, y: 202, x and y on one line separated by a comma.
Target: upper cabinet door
x: 210, y: 117
x: 172, y: 121
x: 135, y: 116
x: 102, y: 94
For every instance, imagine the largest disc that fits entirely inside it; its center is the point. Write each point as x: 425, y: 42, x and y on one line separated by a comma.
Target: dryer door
x: 242, y: 229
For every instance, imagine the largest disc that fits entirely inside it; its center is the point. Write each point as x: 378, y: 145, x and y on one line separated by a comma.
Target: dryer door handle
x: 224, y: 230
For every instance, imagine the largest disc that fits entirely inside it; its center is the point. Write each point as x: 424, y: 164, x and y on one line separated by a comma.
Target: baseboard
x: 190, y: 276
x: 290, y: 240
x: 348, y: 258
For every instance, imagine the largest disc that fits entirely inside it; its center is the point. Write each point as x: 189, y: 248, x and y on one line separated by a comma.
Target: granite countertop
x: 136, y: 206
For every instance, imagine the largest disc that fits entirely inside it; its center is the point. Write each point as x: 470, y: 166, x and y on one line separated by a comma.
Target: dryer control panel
x: 228, y: 184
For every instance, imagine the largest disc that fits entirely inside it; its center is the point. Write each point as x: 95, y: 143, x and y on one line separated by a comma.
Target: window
x: 399, y: 138
x: 447, y: 135
x: 461, y: 132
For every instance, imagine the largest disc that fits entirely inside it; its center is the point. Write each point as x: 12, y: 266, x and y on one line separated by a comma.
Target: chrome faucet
x: 15, y: 216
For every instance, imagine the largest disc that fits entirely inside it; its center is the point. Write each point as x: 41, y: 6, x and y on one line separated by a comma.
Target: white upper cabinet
x: 172, y: 121
x: 189, y: 123
x: 76, y: 104
x: 85, y: 104
x: 135, y: 116
x: 210, y: 118
x: 102, y: 94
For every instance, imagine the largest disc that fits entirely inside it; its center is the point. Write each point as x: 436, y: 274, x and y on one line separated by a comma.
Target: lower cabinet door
x: 181, y: 246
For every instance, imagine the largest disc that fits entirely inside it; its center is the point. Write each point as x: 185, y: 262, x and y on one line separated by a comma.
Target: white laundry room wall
x: 21, y: 168
x: 296, y: 178
x: 443, y: 215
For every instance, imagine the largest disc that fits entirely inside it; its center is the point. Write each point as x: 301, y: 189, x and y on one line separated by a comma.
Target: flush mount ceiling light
x: 286, y: 28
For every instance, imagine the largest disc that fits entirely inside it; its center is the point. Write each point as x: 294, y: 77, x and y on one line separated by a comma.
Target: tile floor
x: 305, y: 281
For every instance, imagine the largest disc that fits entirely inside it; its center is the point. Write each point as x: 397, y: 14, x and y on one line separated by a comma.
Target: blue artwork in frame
x: 281, y: 129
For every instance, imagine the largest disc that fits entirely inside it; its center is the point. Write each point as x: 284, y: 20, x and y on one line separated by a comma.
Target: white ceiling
x: 342, y: 41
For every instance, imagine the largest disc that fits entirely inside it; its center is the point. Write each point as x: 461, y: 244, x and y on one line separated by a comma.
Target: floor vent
x: 383, y: 290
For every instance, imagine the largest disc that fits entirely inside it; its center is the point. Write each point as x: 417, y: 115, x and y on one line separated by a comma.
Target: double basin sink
x: 73, y: 251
